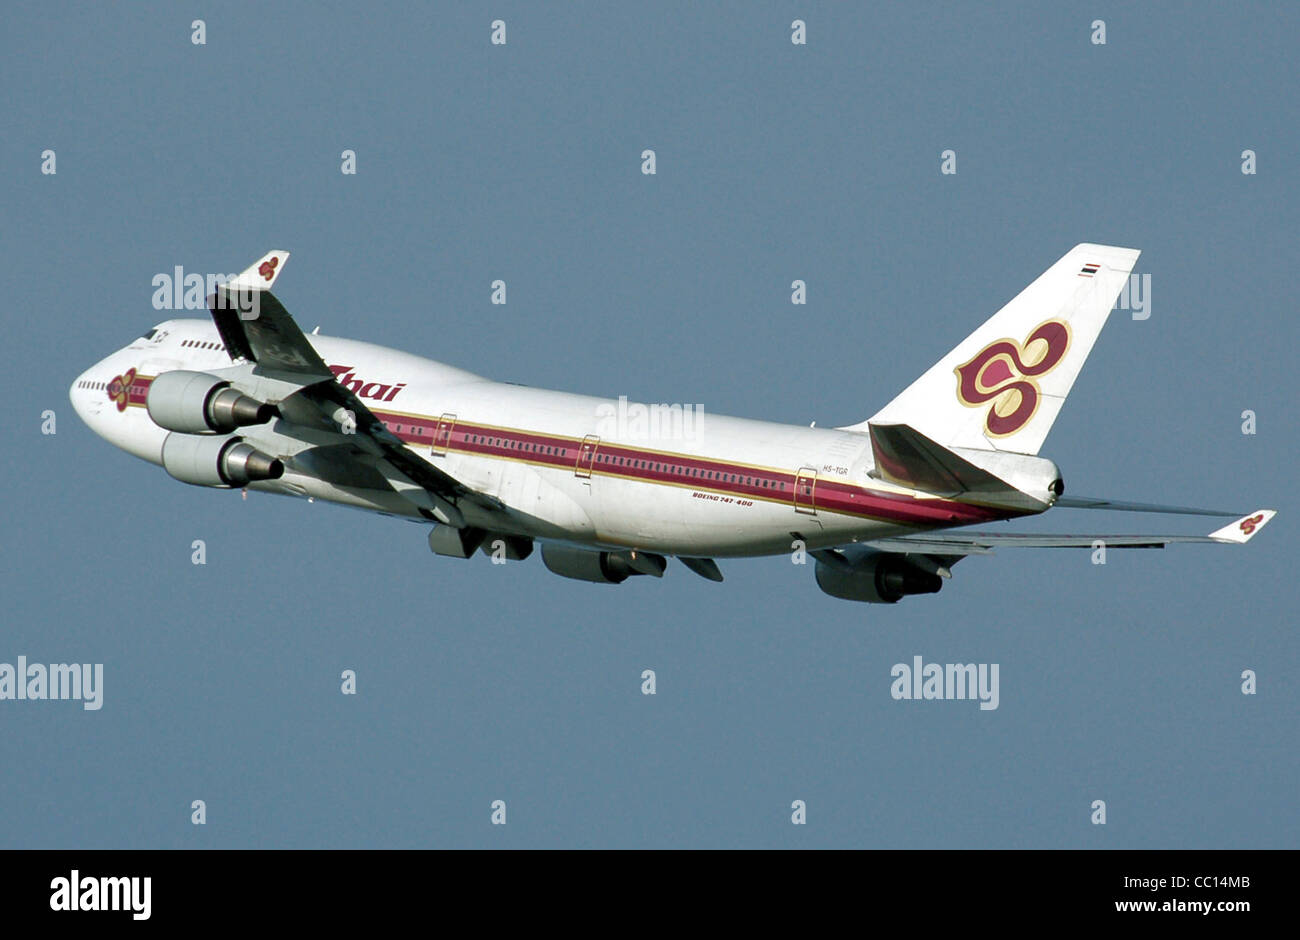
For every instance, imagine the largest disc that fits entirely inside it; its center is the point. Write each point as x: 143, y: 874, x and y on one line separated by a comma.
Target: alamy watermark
x: 946, y: 681
x: 82, y: 682
x: 626, y: 421
x: 1135, y: 296
x: 78, y: 892
x: 181, y: 291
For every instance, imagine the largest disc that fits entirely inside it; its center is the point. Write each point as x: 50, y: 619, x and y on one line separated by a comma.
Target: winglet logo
x: 1005, y: 372
x: 1248, y: 526
x: 119, y: 390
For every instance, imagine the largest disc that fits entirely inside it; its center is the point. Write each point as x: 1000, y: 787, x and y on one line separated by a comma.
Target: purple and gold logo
x: 1006, y: 372
x: 119, y: 390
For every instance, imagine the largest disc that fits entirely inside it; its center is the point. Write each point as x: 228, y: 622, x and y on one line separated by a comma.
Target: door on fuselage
x: 805, y: 485
x: 586, y: 457
x: 442, y: 435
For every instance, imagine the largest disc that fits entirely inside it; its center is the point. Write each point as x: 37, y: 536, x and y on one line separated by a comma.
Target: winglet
x: 261, y: 274
x: 1244, y: 528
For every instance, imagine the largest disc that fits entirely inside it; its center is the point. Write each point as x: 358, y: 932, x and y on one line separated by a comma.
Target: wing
x: 258, y: 330
x: 984, y: 543
x: 255, y: 326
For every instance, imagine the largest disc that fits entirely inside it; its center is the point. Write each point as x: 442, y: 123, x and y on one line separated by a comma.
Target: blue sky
x: 775, y: 162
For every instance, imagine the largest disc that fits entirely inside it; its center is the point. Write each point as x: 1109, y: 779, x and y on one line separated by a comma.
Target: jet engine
x: 199, y: 403
x: 601, y: 567
x: 877, y: 578
x: 205, y: 460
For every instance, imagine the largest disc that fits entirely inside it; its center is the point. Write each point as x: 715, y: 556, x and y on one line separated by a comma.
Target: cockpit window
x: 150, y: 334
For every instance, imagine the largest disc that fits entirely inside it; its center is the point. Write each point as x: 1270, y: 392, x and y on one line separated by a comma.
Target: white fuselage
x: 570, y: 468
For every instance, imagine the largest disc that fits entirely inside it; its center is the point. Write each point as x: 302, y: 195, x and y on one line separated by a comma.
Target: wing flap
x: 330, y: 396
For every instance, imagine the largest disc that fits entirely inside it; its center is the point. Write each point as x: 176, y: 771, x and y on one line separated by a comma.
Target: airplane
x: 247, y: 400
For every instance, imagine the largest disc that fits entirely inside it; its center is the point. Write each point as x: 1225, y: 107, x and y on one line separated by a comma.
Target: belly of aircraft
x: 677, y: 520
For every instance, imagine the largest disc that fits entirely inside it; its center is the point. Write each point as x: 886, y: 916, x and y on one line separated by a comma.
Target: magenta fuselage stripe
x: 678, y: 470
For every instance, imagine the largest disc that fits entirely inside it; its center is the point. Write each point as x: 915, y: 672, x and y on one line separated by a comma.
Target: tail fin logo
x: 1005, y: 373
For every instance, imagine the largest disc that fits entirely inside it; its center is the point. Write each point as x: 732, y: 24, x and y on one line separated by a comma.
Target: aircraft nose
x: 87, y: 394
x: 76, y: 392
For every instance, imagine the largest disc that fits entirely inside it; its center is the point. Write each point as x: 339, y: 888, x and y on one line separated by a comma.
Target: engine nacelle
x: 601, y: 567
x: 877, y: 578
x: 199, y: 403
x: 217, y: 461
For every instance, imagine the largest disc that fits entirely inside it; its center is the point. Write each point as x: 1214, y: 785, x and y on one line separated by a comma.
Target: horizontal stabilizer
x: 1114, y: 505
x: 906, y: 457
